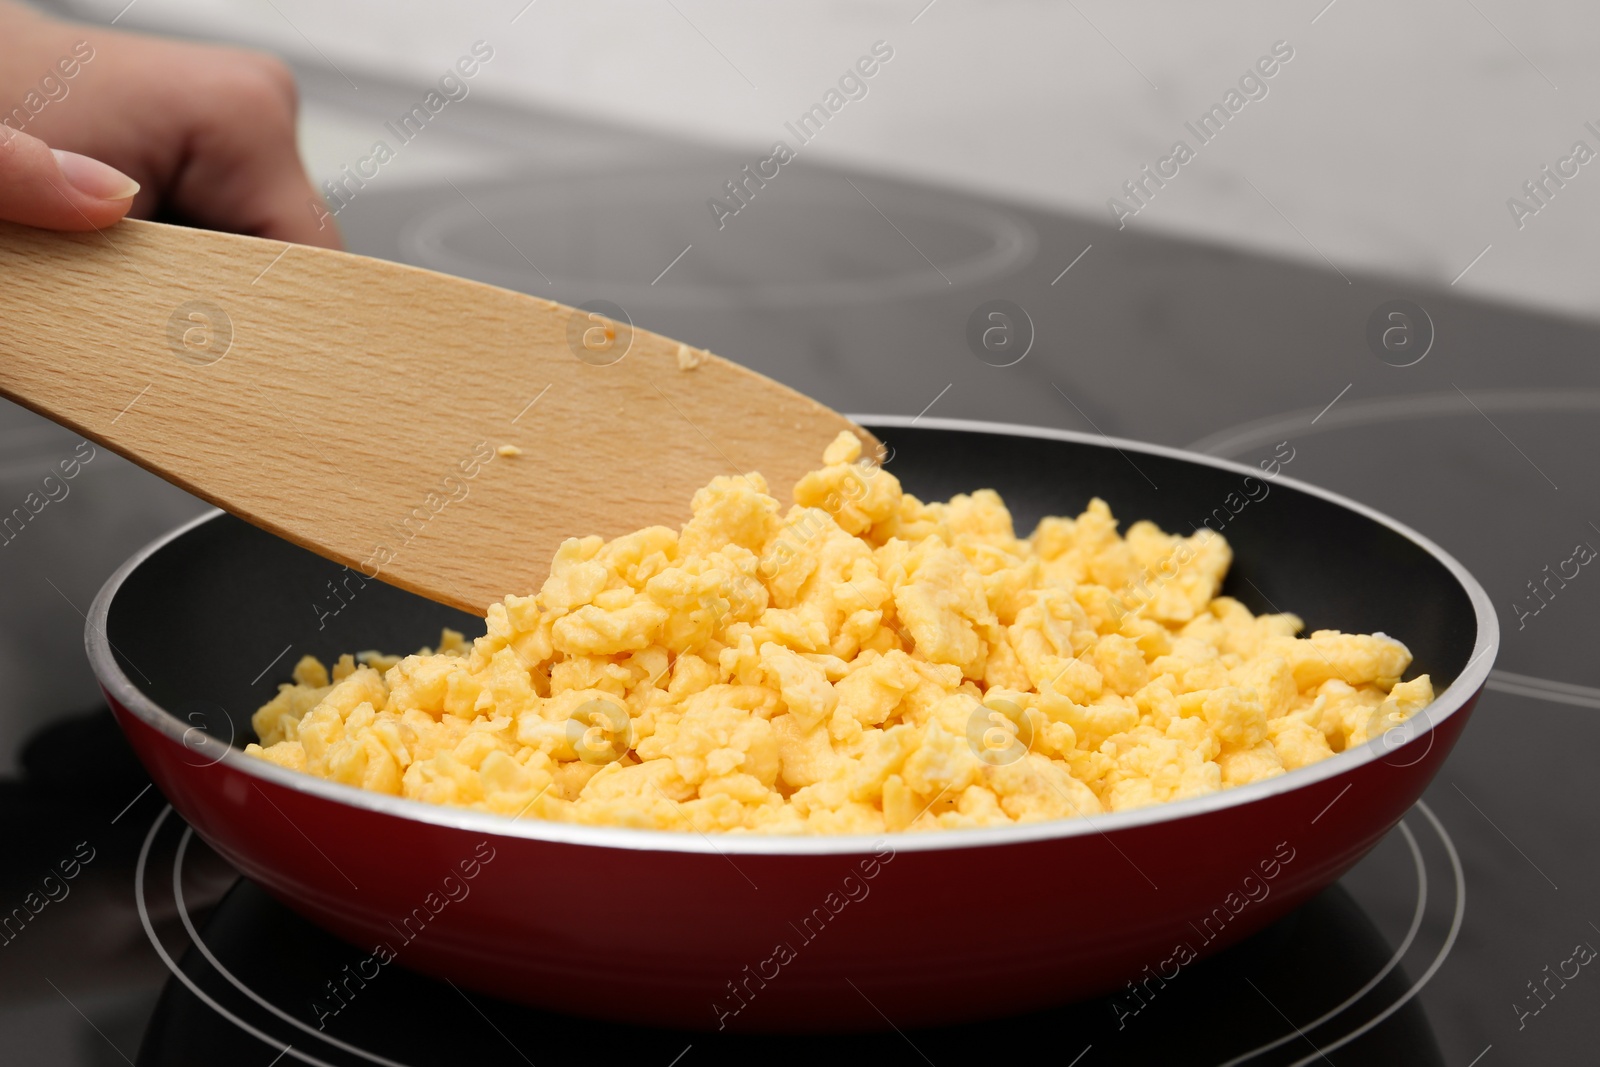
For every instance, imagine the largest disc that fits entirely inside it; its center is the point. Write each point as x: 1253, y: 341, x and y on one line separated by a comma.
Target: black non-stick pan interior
x: 211, y: 623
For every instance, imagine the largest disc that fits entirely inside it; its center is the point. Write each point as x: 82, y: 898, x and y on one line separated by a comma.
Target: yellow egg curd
x: 861, y: 663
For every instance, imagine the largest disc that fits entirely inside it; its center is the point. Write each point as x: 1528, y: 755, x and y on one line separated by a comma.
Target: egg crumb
x: 508, y: 450
x: 689, y: 358
x: 861, y: 662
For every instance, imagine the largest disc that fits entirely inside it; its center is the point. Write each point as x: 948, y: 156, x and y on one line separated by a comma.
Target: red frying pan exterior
x: 794, y: 943
x: 785, y: 934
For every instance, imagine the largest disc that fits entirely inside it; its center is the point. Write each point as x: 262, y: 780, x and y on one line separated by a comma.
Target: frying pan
x: 814, y: 933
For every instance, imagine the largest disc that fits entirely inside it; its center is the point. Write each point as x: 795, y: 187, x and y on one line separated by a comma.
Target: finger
x: 289, y: 208
x: 249, y: 178
x: 263, y: 192
x: 58, y: 190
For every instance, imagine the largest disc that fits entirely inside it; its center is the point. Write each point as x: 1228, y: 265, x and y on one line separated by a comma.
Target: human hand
x: 99, y: 124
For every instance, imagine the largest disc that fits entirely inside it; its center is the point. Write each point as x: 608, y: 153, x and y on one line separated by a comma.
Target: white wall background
x: 1390, y: 143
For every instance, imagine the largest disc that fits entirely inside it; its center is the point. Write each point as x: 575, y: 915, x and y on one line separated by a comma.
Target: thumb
x: 57, y: 190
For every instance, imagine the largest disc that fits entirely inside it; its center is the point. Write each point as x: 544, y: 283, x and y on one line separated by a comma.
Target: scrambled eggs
x: 864, y: 662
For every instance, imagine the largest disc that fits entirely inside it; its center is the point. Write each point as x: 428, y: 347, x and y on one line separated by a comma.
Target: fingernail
x: 94, y: 178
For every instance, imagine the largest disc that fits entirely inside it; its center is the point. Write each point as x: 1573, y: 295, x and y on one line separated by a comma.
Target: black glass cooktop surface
x: 1463, y: 939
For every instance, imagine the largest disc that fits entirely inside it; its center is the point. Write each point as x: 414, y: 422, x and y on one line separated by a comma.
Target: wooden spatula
x: 442, y: 435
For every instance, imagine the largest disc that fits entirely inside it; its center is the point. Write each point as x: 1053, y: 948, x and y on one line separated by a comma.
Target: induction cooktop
x: 1463, y: 939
